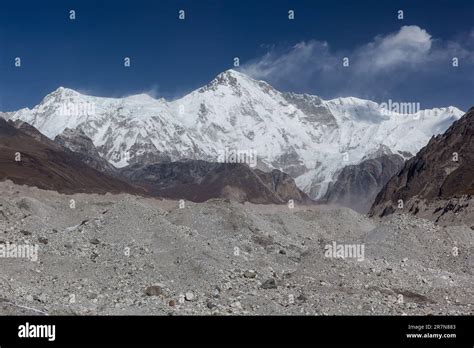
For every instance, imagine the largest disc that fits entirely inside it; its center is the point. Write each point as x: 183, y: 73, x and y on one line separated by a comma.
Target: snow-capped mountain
x: 303, y: 135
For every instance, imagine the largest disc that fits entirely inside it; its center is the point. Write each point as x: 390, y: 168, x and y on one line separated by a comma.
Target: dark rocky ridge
x: 434, y: 174
x: 357, y: 185
x: 76, y: 141
x: 49, y: 166
x: 199, y: 181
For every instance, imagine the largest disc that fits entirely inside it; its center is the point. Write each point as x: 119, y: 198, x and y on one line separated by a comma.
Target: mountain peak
x: 61, y: 93
x: 236, y: 81
x: 230, y: 77
x: 233, y: 73
x: 65, y: 91
x: 141, y: 98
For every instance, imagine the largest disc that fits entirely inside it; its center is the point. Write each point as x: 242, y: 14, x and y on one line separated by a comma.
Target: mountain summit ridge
x: 303, y: 135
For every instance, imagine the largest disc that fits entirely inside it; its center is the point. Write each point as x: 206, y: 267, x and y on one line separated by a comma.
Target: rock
x: 95, y: 241
x: 154, y: 290
x: 210, y: 304
x: 25, y: 233
x: 189, y: 296
x: 43, y: 240
x: 172, y: 303
x: 269, y: 284
x: 92, y: 296
x: 250, y: 274
x: 216, y: 292
x: 236, y: 305
x: 302, y: 298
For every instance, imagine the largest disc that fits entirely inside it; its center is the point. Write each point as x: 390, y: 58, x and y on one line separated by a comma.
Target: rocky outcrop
x: 441, y: 173
x: 357, y: 186
x: 199, y: 181
x: 283, y: 186
x: 29, y: 158
x: 77, y: 141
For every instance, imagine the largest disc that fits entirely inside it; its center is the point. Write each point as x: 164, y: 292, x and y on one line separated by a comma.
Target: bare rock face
x: 144, y: 152
x: 32, y: 132
x: 199, y: 181
x: 443, y: 171
x: 283, y: 185
x: 77, y: 141
x: 357, y: 185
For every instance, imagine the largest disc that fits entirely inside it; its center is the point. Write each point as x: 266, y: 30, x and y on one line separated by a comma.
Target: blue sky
x: 402, y: 60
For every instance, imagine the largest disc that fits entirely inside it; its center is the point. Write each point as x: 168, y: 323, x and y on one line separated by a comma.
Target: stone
x: 154, y: 290
x: 43, y: 240
x: 95, y: 241
x: 269, y: 284
x: 189, y: 296
x: 210, y: 305
x: 250, y: 274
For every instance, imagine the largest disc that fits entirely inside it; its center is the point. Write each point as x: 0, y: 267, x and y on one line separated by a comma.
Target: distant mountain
x: 440, y: 178
x: 357, y: 185
x: 305, y: 136
x: 29, y: 158
x: 199, y: 181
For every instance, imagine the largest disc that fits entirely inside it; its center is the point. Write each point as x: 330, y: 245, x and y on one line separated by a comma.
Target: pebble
x: 95, y: 241
x: 269, y: 284
x: 189, y: 296
x: 154, y: 290
x: 43, y: 240
x: 250, y: 274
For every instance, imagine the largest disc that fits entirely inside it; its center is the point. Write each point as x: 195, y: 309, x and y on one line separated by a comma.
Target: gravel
x: 121, y: 254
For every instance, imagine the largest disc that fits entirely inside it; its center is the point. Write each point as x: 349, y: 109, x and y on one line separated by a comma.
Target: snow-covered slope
x: 307, y: 137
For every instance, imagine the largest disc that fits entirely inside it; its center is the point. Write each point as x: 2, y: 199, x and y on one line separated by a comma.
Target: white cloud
x: 375, y: 67
x: 410, y: 45
x: 293, y: 61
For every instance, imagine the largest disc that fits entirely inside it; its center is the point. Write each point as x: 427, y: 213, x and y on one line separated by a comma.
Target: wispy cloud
x: 376, y: 69
x: 411, y: 45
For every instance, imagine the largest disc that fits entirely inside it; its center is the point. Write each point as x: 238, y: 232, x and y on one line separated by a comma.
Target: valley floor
x: 121, y: 254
